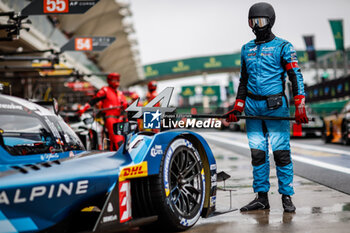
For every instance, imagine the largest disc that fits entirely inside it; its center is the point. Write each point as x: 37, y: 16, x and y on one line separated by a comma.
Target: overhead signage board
x: 96, y: 43
x: 47, y: 7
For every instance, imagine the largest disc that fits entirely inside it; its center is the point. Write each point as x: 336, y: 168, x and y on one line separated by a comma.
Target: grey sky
x: 173, y: 29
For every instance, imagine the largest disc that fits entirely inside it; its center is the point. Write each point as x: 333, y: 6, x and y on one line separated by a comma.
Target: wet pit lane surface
x: 319, y: 208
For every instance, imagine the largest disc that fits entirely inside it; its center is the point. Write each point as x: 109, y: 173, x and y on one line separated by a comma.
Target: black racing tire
x: 178, y: 191
x: 325, y: 137
x: 345, y: 132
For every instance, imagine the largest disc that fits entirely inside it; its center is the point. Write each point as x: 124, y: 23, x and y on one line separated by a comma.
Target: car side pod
x: 222, y: 177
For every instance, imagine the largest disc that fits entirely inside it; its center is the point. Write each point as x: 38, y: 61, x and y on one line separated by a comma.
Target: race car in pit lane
x: 337, y: 126
x: 48, y: 182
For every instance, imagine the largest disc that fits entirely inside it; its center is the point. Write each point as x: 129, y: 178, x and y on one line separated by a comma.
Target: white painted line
x: 295, y: 157
x: 324, y: 149
x: 321, y: 164
x: 228, y: 141
x: 294, y: 144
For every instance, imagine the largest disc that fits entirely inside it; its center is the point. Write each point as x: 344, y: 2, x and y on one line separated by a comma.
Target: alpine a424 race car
x: 48, y: 182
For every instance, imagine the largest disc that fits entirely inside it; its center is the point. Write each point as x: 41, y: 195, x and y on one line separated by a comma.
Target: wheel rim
x: 186, y: 184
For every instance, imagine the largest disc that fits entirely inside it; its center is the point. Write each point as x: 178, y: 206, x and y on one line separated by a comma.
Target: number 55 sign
x: 56, y: 6
x: 44, y: 7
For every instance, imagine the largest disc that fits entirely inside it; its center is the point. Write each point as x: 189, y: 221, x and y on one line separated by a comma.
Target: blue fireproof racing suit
x: 263, y: 72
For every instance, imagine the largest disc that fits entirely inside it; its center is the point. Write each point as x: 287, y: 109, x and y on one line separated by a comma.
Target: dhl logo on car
x: 138, y: 170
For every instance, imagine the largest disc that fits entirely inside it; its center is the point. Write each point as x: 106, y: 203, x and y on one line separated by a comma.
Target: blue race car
x: 48, y: 182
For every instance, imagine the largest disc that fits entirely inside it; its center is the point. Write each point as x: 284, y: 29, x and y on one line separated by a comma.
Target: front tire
x: 345, y: 132
x: 179, y: 189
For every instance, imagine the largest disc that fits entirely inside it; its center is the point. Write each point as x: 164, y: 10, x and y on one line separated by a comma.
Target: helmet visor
x: 260, y: 22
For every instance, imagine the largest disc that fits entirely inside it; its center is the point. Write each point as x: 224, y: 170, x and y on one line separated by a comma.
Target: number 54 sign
x: 95, y: 43
x: 83, y: 44
x: 44, y: 7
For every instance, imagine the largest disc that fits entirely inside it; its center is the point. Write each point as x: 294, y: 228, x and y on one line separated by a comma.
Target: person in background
x: 265, y: 62
x: 152, y: 92
x: 113, y: 104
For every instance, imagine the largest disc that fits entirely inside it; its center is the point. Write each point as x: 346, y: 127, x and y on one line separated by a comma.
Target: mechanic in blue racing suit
x: 265, y: 62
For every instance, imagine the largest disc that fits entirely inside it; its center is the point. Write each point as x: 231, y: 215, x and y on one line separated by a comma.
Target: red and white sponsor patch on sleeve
x: 292, y: 65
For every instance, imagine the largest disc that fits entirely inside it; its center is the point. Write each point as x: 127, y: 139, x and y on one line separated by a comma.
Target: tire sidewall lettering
x: 167, y: 160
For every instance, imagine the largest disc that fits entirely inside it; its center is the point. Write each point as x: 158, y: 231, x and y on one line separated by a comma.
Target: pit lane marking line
x: 321, y: 164
x: 235, y: 143
x: 294, y: 157
x: 304, y: 146
x: 324, y: 149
